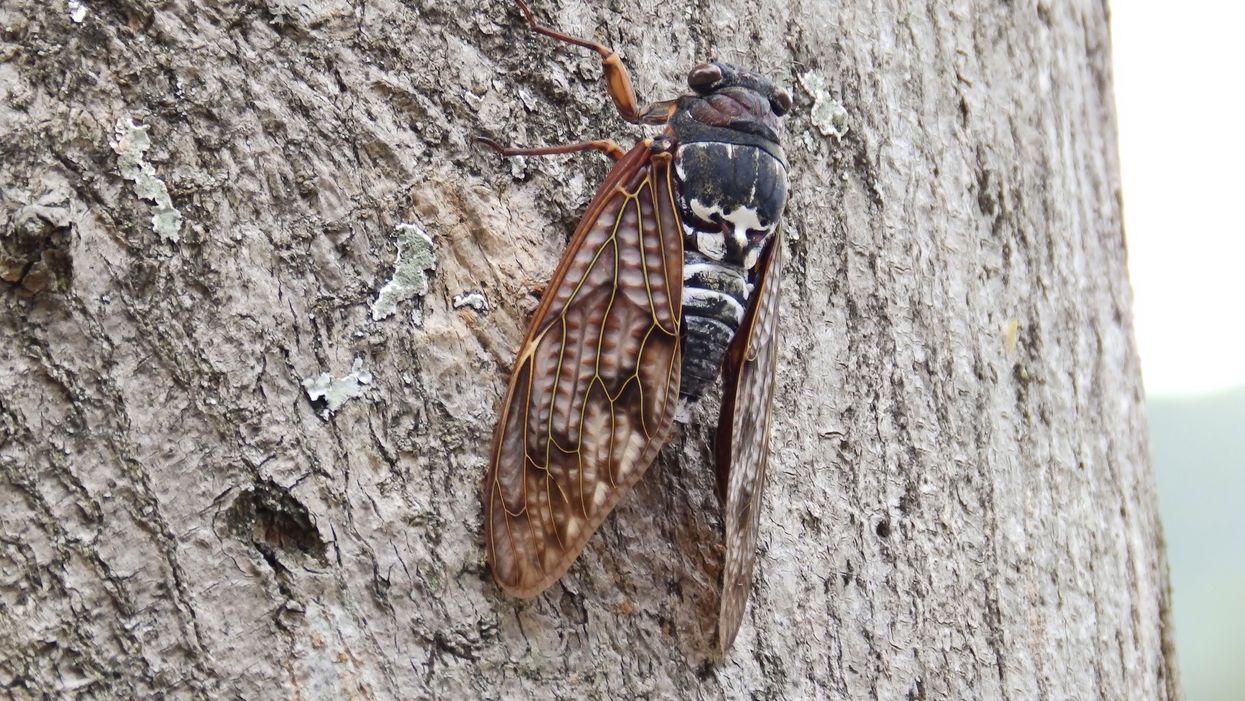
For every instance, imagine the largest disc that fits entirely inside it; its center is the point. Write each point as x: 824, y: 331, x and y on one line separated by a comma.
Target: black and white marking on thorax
x: 730, y: 199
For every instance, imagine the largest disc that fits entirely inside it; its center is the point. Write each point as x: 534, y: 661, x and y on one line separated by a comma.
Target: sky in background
x: 1180, y: 89
x: 1180, y: 92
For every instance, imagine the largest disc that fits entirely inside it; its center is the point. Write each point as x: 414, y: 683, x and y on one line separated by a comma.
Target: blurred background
x: 1178, y: 82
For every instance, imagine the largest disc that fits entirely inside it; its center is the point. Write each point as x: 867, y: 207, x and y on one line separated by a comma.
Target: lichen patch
x: 416, y: 259
x: 131, y: 142
x: 336, y: 392
x: 828, y: 114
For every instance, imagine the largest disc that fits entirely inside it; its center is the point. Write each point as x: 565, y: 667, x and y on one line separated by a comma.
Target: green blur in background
x: 1198, y: 446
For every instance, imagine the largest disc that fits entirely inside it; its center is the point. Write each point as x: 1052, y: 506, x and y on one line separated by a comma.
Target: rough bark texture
x: 960, y: 503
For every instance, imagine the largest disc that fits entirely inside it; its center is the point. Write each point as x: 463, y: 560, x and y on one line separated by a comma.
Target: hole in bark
x: 883, y: 529
x: 268, y: 517
x: 35, y: 249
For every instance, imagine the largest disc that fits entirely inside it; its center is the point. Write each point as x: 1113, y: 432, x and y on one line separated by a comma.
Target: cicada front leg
x: 617, y: 79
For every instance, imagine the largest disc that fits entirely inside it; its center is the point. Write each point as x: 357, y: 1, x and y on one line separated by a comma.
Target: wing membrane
x: 743, y: 438
x: 595, y: 383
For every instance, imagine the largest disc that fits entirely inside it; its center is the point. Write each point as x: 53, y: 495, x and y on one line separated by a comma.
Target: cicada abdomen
x: 670, y: 279
x: 732, y: 185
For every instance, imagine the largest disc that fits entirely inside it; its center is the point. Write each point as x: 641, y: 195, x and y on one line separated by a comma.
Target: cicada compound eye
x: 780, y: 101
x: 704, y: 77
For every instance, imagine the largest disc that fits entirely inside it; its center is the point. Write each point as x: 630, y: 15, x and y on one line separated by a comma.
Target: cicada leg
x: 617, y: 79
x: 606, y: 146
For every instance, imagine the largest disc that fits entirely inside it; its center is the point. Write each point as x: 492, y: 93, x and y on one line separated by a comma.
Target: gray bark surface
x: 960, y: 504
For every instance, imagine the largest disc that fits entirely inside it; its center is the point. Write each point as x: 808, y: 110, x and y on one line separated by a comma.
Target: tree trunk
x: 207, y: 207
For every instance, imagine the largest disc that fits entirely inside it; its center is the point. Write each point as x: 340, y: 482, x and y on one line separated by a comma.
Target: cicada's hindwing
x: 743, y: 437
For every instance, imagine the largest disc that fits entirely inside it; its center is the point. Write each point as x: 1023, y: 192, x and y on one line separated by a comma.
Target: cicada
x: 671, y: 277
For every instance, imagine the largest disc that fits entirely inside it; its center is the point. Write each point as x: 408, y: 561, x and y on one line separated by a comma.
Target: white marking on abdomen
x: 711, y: 245
x: 692, y: 269
x: 742, y: 219
x: 750, y: 260
x: 698, y: 298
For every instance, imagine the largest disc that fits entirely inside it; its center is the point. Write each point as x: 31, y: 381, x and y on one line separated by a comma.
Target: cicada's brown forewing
x: 595, y: 383
x: 743, y: 437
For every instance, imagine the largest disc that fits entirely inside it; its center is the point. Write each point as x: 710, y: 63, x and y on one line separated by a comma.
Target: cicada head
x: 735, y: 100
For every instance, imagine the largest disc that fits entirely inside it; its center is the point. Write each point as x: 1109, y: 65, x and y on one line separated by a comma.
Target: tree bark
x: 206, y: 207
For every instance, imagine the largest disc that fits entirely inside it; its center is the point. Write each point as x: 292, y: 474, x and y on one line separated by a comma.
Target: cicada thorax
x: 731, y: 179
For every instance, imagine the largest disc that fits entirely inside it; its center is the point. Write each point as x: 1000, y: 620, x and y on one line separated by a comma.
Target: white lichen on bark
x: 474, y: 299
x: 131, y: 142
x: 337, y: 391
x: 416, y: 257
x: 77, y: 11
x: 827, y: 114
